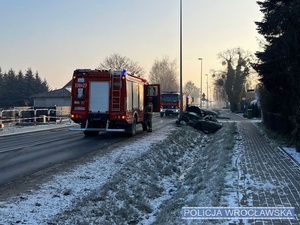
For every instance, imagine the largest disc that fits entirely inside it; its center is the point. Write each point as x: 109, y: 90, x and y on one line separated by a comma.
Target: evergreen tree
x: 279, y: 62
x: 16, y: 90
x: 42, y: 86
x: 9, y: 81
x: 21, y: 89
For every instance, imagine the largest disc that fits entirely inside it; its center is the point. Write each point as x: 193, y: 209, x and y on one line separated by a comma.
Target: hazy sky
x: 55, y: 37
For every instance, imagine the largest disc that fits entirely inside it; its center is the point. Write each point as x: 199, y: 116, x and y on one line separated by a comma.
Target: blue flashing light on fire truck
x: 111, y: 101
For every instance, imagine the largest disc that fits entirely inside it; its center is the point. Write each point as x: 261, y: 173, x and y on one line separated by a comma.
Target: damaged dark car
x: 202, y: 119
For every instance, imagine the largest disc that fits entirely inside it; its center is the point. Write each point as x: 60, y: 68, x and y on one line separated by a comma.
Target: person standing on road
x: 148, y: 114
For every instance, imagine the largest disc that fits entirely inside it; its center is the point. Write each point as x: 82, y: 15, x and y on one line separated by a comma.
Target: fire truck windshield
x: 170, y: 98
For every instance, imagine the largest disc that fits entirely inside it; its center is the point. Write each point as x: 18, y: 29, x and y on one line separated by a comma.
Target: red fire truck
x: 170, y: 103
x: 112, y: 101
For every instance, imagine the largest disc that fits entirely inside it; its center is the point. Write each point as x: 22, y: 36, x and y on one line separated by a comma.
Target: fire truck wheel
x: 161, y: 114
x: 131, y: 129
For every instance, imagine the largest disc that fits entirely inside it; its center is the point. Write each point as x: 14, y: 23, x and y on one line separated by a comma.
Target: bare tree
x: 164, y: 72
x: 118, y: 62
x: 220, y: 95
x: 191, y: 89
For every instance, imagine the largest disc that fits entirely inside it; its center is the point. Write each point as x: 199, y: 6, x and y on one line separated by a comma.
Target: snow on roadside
x: 58, y: 194
x: 186, y: 169
x: 292, y: 153
x: 28, y: 129
x: 146, y: 182
x: 288, y: 150
x: 136, y: 194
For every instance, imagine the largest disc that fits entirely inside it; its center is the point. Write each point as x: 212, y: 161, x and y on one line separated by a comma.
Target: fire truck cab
x: 111, y: 101
x: 170, y: 103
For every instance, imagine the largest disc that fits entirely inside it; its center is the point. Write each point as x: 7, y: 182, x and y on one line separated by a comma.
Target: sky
x: 56, y: 37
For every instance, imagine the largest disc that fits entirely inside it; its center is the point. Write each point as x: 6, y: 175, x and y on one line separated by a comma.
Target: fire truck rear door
x: 153, y: 91
x: 99, y: 97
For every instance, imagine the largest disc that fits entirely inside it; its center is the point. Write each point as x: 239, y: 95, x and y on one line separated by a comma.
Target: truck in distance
x: 170, y: 103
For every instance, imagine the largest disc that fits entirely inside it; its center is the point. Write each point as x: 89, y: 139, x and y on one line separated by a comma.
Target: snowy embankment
x: 182, y: 170
x: 147, y: 181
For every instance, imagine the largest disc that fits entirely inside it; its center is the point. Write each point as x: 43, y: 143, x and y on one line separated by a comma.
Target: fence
x: 34, y: 117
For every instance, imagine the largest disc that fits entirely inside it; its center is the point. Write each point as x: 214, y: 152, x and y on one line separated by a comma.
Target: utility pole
x: 181, y: 95
x: 200, y: 84
x: 207, y: 89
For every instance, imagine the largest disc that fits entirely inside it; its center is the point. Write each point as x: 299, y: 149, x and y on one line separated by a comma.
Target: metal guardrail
x: 20, y: 117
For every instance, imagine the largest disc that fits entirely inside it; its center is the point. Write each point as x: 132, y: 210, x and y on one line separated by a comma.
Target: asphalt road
x: 24, y: 154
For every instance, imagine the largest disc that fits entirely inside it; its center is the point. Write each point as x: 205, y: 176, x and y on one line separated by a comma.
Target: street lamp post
x: 200, y: 84
x: 181, y: 95
x: 207, y: 89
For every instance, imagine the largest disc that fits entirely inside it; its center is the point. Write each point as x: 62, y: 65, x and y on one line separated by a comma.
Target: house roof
x: 68, y: 85
x: 59, y: 93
